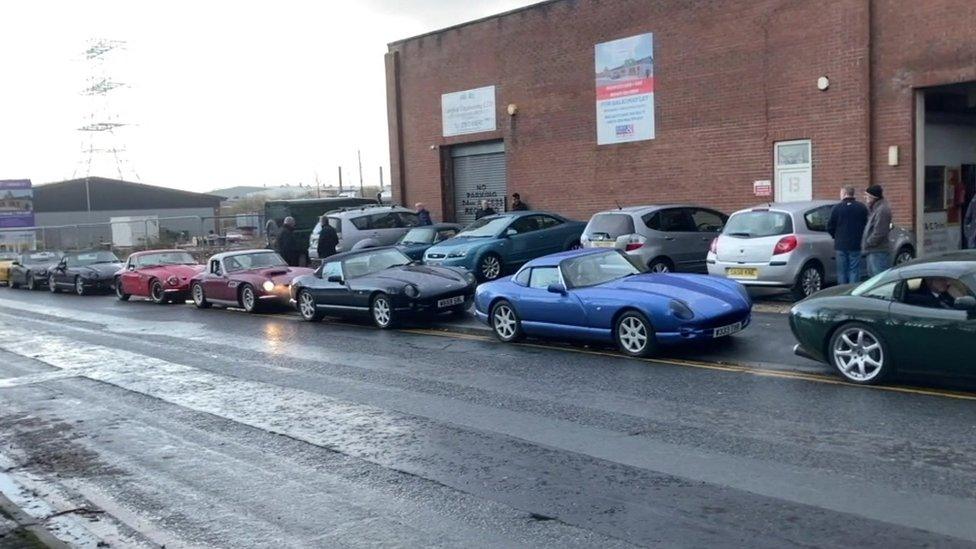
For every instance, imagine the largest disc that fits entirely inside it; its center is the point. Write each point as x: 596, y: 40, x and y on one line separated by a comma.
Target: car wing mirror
x: 966, y: 303
x: 557, y: 288
x: 16, y: 263
x: 510, y: 232
x: 335, y: 278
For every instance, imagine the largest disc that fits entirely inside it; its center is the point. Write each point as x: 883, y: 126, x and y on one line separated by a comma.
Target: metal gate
x: 479, y: 174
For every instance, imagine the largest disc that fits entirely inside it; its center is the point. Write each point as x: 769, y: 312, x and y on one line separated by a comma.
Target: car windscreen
x: 373, y: 262
x: 8, y: 256
x: 259, y: 260
x: 612, y: 225
x: 164, y: 258
x: 90, y: 258
x: 422, y: 235
x: 486, y: 226
x: 758, y: 224
x: 39, y: 259
x: 593, y: 269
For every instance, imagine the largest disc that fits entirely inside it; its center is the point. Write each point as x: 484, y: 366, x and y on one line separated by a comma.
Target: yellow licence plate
x: 742, y: 272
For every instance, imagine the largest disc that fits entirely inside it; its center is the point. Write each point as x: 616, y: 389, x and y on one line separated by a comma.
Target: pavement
x: 165, y: 425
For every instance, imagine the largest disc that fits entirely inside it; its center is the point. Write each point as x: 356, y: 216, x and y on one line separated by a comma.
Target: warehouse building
x: 580, y: 105
x: 80, y: 212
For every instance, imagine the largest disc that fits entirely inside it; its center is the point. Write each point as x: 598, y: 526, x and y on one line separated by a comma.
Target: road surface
x: 146, y: 425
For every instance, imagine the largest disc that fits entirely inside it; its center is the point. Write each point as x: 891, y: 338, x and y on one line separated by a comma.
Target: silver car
x: 365, y: 227
x: 673, y: 237
x: 787, y: 245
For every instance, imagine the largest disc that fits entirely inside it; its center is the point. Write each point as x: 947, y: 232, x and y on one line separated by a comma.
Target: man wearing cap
x: 875, y: 241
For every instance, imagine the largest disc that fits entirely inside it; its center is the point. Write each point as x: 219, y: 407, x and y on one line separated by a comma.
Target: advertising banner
x: 625, y: 90
x: 16, y: 203
x: 469, y: 111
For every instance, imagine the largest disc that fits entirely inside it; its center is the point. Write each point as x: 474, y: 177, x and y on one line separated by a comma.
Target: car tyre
x: 13, y: 284
x: 249, y: 299
x: 860, y: 354
x: 381, y: 311
x: 79, y: 286
x: 808, y: 282
x: 51, y: 286
x: 118, y: 291
x: 904, y: 255
x: 635, y: 335
x: 199, y: 297
x: 489, y: 267
x: 574, y: 245
x: 505, y: 322
x: 660, y: 265
x: 156, y: 293
x: 306, y: 307
x: 31, y: 283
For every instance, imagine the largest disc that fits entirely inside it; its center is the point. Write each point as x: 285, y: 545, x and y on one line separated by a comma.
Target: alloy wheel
x: 858, y: 354
x: 31, y: 284
x: 199, y: 299
x: 812, y: 281
x: 660, y: 267
x: 491, y: 267
x: 247, y: 298
x: 381, y: 311
x: 504, y: 321
x: 156, y: 292
x: 903, y: 257
x: 632, y: 334
x: 79, y: 286
x: 306, y: 305
x: 51, y: 286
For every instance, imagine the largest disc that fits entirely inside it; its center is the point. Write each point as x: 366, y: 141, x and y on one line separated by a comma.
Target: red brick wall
x: 731, y: 79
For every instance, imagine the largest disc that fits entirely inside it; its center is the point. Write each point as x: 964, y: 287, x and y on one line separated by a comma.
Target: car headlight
x: 458, y: 253
x: 411, y: 291
x: 268, y: 286
x: 470, y: 278
x: 680, y: 310
x: 42, y: 272
x: 172, y: 281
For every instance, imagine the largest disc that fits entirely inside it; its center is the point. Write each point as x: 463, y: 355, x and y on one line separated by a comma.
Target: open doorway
x: 947, y: 171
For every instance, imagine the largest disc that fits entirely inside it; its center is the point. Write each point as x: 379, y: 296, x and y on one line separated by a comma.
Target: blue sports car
x: 600, y: 295
x: 496, y: 244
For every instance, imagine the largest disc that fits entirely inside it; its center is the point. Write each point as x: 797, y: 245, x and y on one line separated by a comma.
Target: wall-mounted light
x: 433, y: 147
x: 512, y: 109
x: 823, y: 83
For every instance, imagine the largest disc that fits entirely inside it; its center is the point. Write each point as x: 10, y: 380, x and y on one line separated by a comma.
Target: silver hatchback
x: 665, y: 238
x: 365, y: 227
x: 787, y: 245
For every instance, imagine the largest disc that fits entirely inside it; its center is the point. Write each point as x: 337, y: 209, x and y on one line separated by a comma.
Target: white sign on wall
x: 469, y: 111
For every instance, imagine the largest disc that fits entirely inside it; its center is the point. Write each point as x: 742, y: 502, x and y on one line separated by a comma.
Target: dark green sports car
x: 918, y: 318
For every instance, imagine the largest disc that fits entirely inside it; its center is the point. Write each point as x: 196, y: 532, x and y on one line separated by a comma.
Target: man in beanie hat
x: 875, y: 241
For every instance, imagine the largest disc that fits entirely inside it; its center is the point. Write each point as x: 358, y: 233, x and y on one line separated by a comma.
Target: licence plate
x: 727, y: 330
x: 742, y: 272
x: 603, y: 243
x: 450, y: 301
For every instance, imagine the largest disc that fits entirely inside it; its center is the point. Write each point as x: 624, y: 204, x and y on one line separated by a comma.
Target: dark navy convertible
x: 600, y: 295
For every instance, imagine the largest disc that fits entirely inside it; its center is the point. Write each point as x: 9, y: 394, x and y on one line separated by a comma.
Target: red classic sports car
x: 161, y: 275
x: 249, y: 279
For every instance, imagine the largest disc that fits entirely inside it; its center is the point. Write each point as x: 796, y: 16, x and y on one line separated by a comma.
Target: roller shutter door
x: 479, y: 174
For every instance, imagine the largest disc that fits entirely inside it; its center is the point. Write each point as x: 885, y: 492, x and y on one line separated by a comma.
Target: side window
x: 548, y: 222
x: 333, y: 268
x: 933, y: 292
x: 362, y: 223
x: 542, y: 277
x: 708, y: 221
x: 677, y: 220
x: 215, y: 267
x: 408, y: 219
x: 653, y: 221
x: 336, y: 224
x: 522, y: 278
x: 817, y: 219
x: 526, y: 224
x: 386, y: 220
x: 885, y: 292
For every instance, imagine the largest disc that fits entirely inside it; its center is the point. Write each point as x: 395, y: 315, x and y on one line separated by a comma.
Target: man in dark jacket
x: 517, y: 204
x: 423, y: 214
x: 846, y: 226
x: 969, y: 224
x: 288, y: 244
x: 484, y: 211
x: 328, y: 239
x: 875, y: 241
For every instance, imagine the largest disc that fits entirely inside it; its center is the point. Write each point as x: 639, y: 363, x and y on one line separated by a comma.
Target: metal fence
x: 141, y: 233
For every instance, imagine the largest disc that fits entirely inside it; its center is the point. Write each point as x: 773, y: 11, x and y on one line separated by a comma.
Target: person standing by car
x: 969, y: 225
x: 517, y: 204
x: 846, y: 226
x: 484, y: 211
x: 287, y: 242
x: 875, y: 240
x: 328, y: 239
x: 423, y: 214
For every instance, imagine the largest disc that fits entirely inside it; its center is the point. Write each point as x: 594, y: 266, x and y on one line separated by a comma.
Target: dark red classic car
x: 163, y: 276
x: 249, y: 279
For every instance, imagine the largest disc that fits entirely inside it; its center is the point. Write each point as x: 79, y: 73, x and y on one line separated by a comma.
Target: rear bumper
x: 769, y: 274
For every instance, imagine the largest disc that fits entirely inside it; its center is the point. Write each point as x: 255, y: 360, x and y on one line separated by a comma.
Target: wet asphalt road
x: 216, y: 428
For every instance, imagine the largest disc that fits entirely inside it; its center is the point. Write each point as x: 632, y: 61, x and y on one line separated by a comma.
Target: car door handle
x: 669, y: 238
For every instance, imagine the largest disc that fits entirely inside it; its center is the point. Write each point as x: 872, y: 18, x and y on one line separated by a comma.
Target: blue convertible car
x: 600, y: 295
x: 496, y: 244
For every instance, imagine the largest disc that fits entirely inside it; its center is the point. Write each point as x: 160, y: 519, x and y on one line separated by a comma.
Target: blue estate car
x: 600, y: 295
x: 419, y: 239
x: 496, y: 244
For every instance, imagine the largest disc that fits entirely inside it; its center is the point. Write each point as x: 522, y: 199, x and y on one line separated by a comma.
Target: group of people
x: 484, y: 210
x: 859, y: 228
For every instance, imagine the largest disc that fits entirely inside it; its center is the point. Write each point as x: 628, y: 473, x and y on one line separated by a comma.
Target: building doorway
x: 479, y: 174
x: 946, y: 178
x: 793, y: 161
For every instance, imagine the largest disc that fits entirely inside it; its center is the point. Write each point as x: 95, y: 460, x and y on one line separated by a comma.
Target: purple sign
x: 16, y: 203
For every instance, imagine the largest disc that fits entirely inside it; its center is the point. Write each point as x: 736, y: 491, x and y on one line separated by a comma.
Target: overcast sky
x: 220, y: 93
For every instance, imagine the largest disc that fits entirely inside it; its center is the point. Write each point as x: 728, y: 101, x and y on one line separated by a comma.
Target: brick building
x: 807, y: 95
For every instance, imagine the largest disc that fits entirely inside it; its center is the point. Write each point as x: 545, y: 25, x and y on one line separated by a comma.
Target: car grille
x: 435, y: 256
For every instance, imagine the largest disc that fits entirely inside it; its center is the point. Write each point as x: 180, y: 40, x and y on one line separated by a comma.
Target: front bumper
x: 429, y: 305
x: 687, y: 334
x: 98, y: 284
